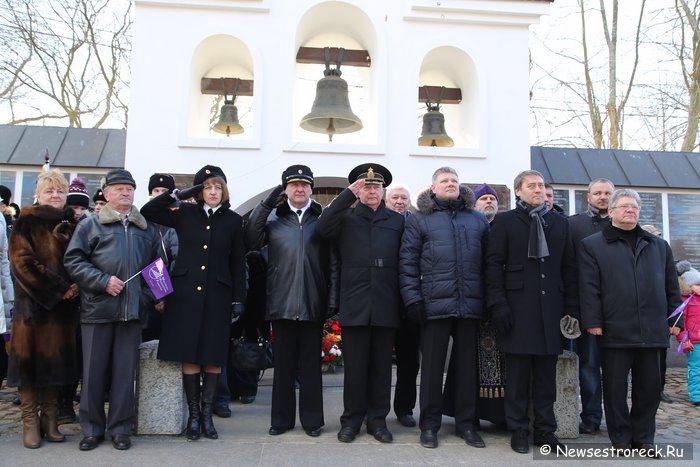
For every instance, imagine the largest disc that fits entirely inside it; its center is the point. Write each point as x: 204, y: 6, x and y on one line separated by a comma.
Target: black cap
x: 373, y: 174
x: 5, y: 195
x: 118, y: 177
x: 297, y: 173
x: 161, y: 181
x: 208, y: 171
x: 99, y: 196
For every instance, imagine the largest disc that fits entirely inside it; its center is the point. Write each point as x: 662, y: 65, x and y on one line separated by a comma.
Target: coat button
x: 543, y: 292
x: 542, y: 276
x: 199, y: 287
x: 203, y: 268
x: 205, y: 247
x: 208, y: 227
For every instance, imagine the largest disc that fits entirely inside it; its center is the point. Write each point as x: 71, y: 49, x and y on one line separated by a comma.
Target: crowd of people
x: 509, y: 290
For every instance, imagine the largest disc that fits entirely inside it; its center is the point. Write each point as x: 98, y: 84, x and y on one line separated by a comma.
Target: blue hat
x: 484, y: 189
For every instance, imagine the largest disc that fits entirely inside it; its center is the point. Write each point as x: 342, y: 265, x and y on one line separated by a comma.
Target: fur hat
x: 484, y: 189
x: 5, y: 195
x: 690, y: 275
x: 208, y: 171
x: 161, y: 181
x: 77, y: 193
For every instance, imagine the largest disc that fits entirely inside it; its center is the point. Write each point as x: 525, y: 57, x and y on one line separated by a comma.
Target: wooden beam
x: 449, y: 96
x: 213, y: 86
x: 350, y: 57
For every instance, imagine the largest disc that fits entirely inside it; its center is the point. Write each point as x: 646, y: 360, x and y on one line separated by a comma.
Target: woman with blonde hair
x: 42, y: 355
x: 209, y: 286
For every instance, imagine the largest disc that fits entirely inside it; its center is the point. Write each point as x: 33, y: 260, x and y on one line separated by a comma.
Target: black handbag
x: 251, y: 355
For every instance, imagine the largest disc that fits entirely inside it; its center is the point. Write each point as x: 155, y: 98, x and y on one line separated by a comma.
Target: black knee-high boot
x: 208, y: 392
x: 193, y: 393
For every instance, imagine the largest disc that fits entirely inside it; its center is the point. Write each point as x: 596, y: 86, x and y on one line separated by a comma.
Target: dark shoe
x: 209, y: 382
x: 696, y: 404
x: 222, y: 411
x: 382, y: 434
x: 646, y: 450
x: 547, y: 439
x: 16, y: 400
x: 247, y: 399
x: 89, y: 443
x: 621, y: 449
x: 315, y: 432
x: 121, y: 442
x: 588, y: 428
x: 276, y: 430
x: 665, y: 398
x: 518, y: 441
x: 428, y: 439
x: 472, y: 438
x: 346, y: 435
x: 406, y: 420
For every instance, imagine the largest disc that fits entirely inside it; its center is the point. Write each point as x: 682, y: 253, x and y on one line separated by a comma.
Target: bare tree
x: 76, y: 58
x: 688, y: 50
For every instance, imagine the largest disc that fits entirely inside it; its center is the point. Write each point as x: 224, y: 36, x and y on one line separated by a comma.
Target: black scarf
x: 448, y: 204
x: 537, y: 244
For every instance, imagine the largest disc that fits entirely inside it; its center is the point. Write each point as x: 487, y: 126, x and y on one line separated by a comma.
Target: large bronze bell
x: 228, y: 120
x: 331, y: 112
x: 434, y: 133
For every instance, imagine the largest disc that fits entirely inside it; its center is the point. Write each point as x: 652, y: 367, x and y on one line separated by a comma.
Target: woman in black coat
x: 209, y: 284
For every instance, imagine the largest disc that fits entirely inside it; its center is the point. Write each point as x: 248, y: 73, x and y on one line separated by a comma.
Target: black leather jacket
x: 302, y: 269
x: 101, y: 247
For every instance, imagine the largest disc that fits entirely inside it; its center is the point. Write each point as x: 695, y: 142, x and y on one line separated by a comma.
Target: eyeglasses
x: 627, y: 207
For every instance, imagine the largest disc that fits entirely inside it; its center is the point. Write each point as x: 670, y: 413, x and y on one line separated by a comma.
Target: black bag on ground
x: 250, y: 355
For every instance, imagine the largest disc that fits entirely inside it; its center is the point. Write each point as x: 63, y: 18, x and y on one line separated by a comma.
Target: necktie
x: 210, y: 211
x: 299, y: 213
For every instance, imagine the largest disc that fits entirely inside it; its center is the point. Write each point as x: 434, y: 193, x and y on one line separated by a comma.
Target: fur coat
x: 42, y: 347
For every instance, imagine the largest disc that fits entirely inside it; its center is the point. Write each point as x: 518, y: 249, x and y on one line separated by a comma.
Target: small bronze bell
x: 434, y: 133
x: 228, y: 120
x: 331, y: 112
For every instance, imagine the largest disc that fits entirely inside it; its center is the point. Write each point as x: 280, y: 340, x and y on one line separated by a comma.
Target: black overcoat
x: 208, y: 276
x: 368, y: 242
x: 537, y: 292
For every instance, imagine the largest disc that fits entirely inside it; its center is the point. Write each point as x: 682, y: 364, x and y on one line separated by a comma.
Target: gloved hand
x: 415, y: 312
x: 274, y: 197
x: 502, y: 320
x: 237, y: 310
x: 189, y: 192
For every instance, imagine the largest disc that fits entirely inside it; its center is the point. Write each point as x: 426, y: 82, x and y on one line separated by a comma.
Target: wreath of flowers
x: 331, y: 346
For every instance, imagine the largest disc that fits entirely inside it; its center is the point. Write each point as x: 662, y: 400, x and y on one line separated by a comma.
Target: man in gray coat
x: 103, y: 254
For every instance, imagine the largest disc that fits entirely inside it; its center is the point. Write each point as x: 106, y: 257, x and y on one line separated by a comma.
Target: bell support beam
x: 449, y: 95
x: 213, y: 86
x: 350, y: 57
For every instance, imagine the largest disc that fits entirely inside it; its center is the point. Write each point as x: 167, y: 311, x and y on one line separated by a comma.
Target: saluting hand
x: 356, y: 186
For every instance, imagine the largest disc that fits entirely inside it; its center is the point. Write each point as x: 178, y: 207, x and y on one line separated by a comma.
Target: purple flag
x: 157, y: 277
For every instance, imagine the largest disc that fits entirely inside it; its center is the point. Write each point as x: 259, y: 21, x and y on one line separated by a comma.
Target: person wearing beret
x: 442, y: 286
x: 209, y: 289
x: 368, y: 238
x: 104, y: 252
x: 301, y: 287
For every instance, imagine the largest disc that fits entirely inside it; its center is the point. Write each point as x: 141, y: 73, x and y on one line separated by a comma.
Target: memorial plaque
x: 561, y: 199
x: 684, y: 226
x: 651, y: 210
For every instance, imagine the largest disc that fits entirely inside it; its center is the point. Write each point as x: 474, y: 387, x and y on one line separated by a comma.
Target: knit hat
x: 689, y: 274
x: 99, y: 196
x: 77, y: 193
x: 5, y: 195
x: 161, y: 181
x: 484, y: 189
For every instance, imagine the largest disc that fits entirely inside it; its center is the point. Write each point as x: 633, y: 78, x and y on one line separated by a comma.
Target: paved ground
x: 243, y: 440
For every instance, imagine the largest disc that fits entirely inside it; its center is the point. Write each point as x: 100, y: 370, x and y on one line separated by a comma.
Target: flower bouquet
x: 331, y: 346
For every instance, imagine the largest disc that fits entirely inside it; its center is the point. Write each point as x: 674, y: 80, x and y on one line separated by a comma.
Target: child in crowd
x: 691, y: 335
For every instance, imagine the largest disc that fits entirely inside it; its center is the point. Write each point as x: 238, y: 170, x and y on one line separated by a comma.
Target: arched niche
x: 453, y: 68
x: 336, y: 24
x: 221, y: 56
